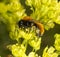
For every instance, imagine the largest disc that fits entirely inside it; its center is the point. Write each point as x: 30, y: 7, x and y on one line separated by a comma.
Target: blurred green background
x: 4, y: 40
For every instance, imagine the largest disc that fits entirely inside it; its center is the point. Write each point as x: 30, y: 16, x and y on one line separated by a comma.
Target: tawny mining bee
x: 29, y: 22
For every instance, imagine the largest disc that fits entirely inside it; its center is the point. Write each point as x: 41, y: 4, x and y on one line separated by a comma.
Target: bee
x: 29, y: 22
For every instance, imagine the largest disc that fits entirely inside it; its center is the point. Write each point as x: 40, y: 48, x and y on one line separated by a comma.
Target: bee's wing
x: 40, y: 26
